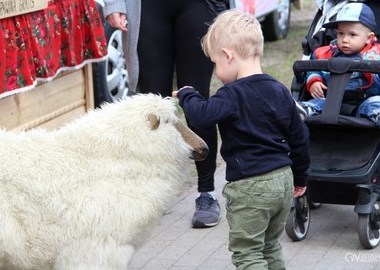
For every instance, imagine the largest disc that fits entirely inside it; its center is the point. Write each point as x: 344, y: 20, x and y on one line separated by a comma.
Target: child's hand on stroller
x: 298, y: 191
x: 317, y: 90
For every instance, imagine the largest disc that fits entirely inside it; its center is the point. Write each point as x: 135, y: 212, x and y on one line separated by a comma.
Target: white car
x: 110, y: 77
x: 274, y: 15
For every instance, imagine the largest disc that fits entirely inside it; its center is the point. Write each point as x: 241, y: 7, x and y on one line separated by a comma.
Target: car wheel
x: 276, y: 24
x: 110, y: 77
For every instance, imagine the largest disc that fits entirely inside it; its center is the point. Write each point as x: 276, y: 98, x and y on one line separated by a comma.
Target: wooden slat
x: 52, y: 115
x: 49, y: 100
x: 65, y: 118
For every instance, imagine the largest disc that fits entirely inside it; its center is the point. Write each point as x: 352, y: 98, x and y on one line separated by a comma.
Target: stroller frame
x: 345, y: 152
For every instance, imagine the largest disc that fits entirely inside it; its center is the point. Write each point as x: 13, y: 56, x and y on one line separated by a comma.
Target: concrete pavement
x: 331, y: 243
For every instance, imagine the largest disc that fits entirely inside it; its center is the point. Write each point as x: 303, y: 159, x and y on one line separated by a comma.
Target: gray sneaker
x: 207, y: 211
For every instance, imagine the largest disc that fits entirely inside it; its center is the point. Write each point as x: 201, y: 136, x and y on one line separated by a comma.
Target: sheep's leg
x: 95, y: 255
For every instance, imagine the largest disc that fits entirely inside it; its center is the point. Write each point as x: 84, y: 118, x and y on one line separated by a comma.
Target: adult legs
x: 156, y: 49
x: 195, y: 69
x: 170, y: 36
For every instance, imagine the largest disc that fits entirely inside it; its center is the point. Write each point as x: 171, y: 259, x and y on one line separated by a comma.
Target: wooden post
x: 89, y: 87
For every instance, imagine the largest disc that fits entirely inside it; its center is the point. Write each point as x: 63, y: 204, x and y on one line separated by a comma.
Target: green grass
x: 279, y: 56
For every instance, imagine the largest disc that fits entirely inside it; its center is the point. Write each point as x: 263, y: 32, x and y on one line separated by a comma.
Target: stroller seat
x: 337, y: 150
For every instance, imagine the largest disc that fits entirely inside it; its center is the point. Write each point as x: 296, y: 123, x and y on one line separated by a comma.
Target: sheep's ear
x: 153, y: 121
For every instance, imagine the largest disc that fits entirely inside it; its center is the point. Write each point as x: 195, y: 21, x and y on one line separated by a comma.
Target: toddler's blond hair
x: 237, y: 30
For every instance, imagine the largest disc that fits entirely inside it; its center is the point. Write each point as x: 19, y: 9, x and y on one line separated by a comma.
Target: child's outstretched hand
x: 317, y: 90
x: 174, y: 93
x: 298, y: 191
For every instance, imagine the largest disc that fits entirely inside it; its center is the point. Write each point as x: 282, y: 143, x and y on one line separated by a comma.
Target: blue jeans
x: 368, y: 108
x: 316, y: 105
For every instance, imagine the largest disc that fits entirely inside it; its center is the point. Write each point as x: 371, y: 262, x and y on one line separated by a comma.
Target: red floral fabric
x: 38, y: 45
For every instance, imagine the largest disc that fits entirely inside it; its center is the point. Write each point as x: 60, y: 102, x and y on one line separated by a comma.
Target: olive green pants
x: 257, y: 209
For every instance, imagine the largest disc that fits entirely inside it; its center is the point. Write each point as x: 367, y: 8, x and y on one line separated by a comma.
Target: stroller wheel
x: 298, y: 222
x: 368, y: 230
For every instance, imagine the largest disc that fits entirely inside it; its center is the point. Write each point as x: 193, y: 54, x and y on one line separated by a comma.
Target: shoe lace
x: 204, y: 202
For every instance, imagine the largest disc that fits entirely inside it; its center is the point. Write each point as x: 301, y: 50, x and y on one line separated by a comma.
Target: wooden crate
x: 50, y: 104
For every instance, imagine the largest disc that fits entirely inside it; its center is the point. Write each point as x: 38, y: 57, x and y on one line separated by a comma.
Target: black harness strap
x: 337, y: 83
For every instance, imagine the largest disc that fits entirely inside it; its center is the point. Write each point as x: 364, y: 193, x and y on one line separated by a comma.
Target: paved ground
x: 332, y: 241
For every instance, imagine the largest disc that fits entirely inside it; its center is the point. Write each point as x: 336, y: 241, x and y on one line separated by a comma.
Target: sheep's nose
x: 200, y: 154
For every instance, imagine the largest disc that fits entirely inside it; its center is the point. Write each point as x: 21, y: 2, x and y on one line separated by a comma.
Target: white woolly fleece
x: 83, y: 196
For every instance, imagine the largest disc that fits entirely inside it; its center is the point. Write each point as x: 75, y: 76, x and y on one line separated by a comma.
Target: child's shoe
x: 375, y: 118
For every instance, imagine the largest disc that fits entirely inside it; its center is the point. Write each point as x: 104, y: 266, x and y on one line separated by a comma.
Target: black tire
x: 276, y: 24
x: 298, y: 222
x: 369, y: 234
x: 110, y: 77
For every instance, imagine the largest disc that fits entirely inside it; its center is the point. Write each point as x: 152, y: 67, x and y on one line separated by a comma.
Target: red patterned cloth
x: 38, y: 45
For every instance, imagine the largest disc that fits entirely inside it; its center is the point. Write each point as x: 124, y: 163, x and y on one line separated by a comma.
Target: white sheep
x: 83, y: 196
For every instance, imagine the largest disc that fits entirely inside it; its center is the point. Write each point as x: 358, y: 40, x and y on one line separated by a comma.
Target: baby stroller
x: 345, y: 150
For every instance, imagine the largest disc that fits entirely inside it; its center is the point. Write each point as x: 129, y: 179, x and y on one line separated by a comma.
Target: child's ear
x: 228, y: 54
x: 370, y: 37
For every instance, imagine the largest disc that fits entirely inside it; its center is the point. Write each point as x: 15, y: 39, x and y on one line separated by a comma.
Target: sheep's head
x: 199, y: 149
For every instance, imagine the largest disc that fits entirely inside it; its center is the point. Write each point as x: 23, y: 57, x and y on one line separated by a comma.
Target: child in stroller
x: 345, y: 149
x: 355, y: 25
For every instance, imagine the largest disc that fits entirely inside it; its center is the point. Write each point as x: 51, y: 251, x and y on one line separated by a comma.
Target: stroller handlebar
x: 337, y: 65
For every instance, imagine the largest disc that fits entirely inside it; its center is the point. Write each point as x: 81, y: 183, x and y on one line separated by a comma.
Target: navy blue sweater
x: 259, y: 124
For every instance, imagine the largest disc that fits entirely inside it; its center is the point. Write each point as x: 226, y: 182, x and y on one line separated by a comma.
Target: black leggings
x: 170, y: 35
